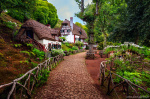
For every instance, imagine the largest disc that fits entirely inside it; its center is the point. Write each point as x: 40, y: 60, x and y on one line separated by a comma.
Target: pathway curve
x: 70, y: 80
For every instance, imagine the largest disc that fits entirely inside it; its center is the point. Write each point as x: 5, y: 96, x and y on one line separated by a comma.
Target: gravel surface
x: 70, y: 80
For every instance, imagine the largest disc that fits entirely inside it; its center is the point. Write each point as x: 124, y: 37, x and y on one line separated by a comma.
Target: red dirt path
x: 93, y: 67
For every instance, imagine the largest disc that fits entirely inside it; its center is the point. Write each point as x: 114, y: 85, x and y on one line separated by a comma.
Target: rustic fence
x: 24, y: 85
x: 128, y: 87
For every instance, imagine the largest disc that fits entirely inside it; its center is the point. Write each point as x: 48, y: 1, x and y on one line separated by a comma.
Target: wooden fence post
x: 108, y: 90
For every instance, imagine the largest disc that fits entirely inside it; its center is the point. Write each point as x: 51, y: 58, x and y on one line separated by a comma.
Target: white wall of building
x: 37, y: 39
x: 45, y: 42
x: 69, y: 38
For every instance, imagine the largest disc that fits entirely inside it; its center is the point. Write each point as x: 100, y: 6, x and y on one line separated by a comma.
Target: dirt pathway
x: 70, y: 80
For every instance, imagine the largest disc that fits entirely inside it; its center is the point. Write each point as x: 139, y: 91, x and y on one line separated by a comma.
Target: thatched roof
x: 55, y: 31
x: 76, y: 30
x: 42, y: 31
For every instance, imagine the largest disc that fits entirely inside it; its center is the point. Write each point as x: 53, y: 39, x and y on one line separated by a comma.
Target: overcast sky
x: 67, y: 9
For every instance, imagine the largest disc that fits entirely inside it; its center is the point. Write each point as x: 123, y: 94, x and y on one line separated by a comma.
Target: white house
x: 72, y: 32
x: 39, y: 35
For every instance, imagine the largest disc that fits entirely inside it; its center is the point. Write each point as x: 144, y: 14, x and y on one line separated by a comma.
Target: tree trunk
x: 96, y: 6
x: 82, y: 6
x: 1, y: 11
x: 137, y: 39
x: 105, y: 39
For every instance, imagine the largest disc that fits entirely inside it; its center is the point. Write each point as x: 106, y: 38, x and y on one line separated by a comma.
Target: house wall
x: 77, y: 38
x: 37, y: 39
x: 69, y: 38
x: 45, y: 42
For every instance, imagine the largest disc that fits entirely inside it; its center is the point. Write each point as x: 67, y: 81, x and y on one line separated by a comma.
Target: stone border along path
x: 70, y: 80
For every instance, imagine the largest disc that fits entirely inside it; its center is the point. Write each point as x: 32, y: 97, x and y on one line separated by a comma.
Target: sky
x: 67, y: 9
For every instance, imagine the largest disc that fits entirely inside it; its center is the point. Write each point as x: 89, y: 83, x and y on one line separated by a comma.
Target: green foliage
x: 9, y: 24
x: 81, y: 26
x: 87, y: 47
x: 34, y: 64
x: 64, y: 47
x: 30, y: 46
x: 56, y: 52
x: 19, y: 9
x: 42, y: 78
x: 63, y: 38
x: 67, y: 44
x: 108, y: 50
x: 100, y: 46
x: 135, y: 26
x: 45, y: 13
x: 58, y: 25
x: 75, y: 48
x: 26, y: 53
x: 39, y: 54
x: 79, y: 44
x: 17, y: 45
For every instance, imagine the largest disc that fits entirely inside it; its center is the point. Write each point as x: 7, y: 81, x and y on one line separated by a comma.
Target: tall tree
x: 136, y: 24
x: 45, y: 13
x: 18, y: 8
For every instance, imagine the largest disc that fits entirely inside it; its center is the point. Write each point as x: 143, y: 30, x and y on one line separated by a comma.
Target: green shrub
x: 26, y: 53
x: 30, y: 46
x: 109, y: 43
x: 87, y: 47
x: 81, y: 47
x: 63, y: 38
x: 100, y: 46
x: 17, y: 45
x: 79, y: 44
x: 75, y: 48
x: 9, y: 24
x: 39, y: 54
x: 56, y: 52
x: 34, y: 64
x: 67, y: 44
x: 64, y: 47
x: 42, y: 78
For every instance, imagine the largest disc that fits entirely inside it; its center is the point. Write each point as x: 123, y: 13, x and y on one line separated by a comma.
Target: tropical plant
x: 56, y: 52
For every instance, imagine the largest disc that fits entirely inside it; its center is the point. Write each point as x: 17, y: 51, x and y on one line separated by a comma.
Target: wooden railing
x: 24, y: 90
x: 128, y: 87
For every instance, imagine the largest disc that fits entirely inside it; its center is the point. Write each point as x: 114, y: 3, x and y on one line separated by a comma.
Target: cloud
x: 64, y: 13
x: 86, y: 2
x: 67, y: 8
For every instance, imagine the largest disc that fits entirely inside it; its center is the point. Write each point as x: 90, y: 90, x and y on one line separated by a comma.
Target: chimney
x: 71, y: 22
x: 49, y: 26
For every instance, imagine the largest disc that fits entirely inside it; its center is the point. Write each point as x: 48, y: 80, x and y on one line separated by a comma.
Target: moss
x: 1, y: 56
x: 2, y: 60
x: 10, y: 53
x: 17, y: 57
x: 2, y: 44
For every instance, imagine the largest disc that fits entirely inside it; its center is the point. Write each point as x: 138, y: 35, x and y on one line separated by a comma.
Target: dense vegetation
x: 39, y: 10
x: 117, y: 20
x: 131, y: 62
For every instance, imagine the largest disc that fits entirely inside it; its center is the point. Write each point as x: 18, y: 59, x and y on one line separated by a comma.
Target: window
x: 49, y: 47
x: 80, y: 32
x: 68, y: 30
x: 61, y: 31
x: 29, y: 33
x: 79, y: 39
x: 76, y: 39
